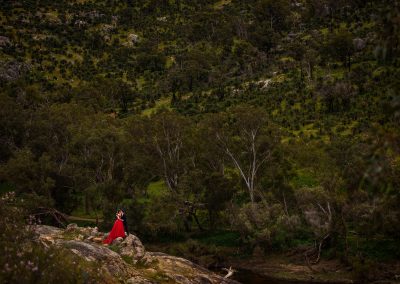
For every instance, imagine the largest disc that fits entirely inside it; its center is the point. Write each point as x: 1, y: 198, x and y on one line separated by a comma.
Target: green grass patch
x: 84, y: 223
x: 115, y: 248
x: 154, y: 189
x: 127, y: 259
x: 160, y: 104
x: 304, y: 179
x: 220, y: 4
x: 160, y: 277
x: 80, y: 212
x: 143, y: 264
x: 378, y: 249
x: 324, y: 31
x: 219, y: 238
x: 157, y: 188
x: 5, y: 187
x: 70, y: 235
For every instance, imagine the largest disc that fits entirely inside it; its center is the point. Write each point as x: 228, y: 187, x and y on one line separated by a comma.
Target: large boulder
x: 72, y: 226
x: 132, y: 247
x: 110, y: 260
x: 118, y: 241
x: 46, y: 235
x: 13, y: 70
x: 359, y: 44
x: 44, y: 230
x: 120, y: 261
x: 183, y: 271
x: 90, y: 251
x: 86, y: 232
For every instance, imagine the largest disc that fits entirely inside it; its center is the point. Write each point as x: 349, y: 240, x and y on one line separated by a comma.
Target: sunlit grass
x: 220, y: 4
x: 160, y: 104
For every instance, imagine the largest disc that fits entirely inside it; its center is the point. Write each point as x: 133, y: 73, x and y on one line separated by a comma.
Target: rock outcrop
x: 132, y: 247
x: 126, y: 260
x: 13, y: 70
x: 4, y: 41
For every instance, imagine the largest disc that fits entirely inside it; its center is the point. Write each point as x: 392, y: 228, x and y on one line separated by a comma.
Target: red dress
x: 117, y: 231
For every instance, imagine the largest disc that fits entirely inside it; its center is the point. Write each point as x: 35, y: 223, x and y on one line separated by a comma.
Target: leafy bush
x: 23, y: 260
x: 267, y: 226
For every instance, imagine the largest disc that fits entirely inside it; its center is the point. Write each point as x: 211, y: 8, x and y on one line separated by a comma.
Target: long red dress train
x: 116, y: 231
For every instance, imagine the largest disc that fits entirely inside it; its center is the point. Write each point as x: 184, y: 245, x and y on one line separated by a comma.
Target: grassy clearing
x: 220, y: 4
x: 154, y: 190
x: 80, y: 212
x: 163, y: 103
x: 219, y: 238
x: 304, y: 179
x: 157, y: 188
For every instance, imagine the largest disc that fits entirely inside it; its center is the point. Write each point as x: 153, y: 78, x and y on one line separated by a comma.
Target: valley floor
x: 286, y: 268
x: 283, y: 268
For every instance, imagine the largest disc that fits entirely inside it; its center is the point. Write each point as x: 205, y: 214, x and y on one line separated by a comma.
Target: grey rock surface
x: 120, y: 260
x: 13, y: 70
x: 132, y: 247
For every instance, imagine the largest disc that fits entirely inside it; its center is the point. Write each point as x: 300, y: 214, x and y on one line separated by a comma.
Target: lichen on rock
x: 128, y: 262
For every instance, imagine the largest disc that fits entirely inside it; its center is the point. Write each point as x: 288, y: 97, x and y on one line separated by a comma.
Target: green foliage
x: 266, y: 226
x: 219, y: 238
x: 25, y: 261
x: 127, y: 259
x: 276, y: 118
x: 115, y: 248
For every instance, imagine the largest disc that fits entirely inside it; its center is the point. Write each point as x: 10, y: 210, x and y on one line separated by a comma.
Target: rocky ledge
x: 126, y: 260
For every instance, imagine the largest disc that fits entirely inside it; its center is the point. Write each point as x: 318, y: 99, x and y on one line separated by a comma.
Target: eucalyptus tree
x: 164, y: 144
x: 246, y: 137
x: 97, y: 159
x: 163, y: 138
x: 273, y: 13
x: 340, y: 46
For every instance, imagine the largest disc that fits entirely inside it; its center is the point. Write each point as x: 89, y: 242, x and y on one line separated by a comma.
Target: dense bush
x: 24, y: 260
x: 275, y: 119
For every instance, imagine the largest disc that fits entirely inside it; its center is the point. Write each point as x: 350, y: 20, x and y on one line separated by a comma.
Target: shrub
x: 22, y: 260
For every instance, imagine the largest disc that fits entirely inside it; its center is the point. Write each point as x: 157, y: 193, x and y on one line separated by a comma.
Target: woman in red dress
x: 117, y: 230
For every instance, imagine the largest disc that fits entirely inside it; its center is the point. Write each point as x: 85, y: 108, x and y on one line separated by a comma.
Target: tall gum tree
x: 163, y: 138
x: 246, y: 137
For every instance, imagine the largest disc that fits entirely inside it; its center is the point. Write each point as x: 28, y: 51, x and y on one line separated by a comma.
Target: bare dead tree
x: 58, y: 216
x: 315, y: 252
x: 316, y: 204
x: 229, y: 271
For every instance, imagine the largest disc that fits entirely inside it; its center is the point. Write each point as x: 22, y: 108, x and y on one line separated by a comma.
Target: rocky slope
x: 126, y: 260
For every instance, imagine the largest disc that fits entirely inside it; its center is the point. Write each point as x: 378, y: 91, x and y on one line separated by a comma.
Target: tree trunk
x: 197, y: 221
x: 87, y: 203
x: 251, y: 192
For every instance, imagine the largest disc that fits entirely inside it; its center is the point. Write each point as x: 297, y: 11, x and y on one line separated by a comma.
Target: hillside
x: 314, y: 65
